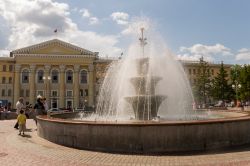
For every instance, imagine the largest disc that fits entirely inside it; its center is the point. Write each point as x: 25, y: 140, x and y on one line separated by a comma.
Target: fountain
x: 144, y: 106
x: 145, y: 103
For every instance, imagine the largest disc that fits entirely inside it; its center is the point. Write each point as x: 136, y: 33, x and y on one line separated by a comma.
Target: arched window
x: 54, y: 75
x: 25, y: 76
x: 83, y: 77
x: 40, y: 75
x: 69, y: 77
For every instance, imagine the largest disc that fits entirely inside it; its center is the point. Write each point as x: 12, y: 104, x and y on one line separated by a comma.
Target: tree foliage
x: 221, y: 89
x: 202, y: 87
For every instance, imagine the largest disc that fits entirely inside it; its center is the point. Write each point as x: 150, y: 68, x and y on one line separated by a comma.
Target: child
x: 21, y: 119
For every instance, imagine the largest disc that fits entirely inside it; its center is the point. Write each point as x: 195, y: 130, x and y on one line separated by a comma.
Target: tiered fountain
x: 144, y: 107
x: 145, y: 103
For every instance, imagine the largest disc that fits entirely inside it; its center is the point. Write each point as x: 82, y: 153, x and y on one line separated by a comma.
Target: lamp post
x: 46, y: 81
x: 236, y: 86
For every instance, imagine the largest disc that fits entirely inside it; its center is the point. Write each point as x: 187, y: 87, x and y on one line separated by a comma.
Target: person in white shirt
x: 45, y: 104
x: 19, y: 107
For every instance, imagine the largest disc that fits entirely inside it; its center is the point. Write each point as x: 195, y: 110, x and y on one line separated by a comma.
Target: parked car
x: 79, y: 109
x: 55, y: 110
x: 220, y: 104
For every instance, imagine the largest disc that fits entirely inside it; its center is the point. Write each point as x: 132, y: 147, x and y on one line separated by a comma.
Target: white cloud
x: 30, y: 22
x: 210, y: 53
x: 243, y: 54
x: 86, y: 14
x: 4, y: 53
x: 93, y: 20
x: 120, y: 17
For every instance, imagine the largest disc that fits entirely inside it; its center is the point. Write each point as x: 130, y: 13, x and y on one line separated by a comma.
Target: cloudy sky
x: 219, y: 30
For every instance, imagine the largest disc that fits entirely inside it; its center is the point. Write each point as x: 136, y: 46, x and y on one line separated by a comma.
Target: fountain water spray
x: 144, y: 86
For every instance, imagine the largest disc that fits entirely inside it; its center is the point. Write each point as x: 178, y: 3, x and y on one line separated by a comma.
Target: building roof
x: 55, y: 42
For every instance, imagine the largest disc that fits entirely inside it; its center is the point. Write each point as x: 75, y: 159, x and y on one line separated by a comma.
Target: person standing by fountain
x: 39, y: 108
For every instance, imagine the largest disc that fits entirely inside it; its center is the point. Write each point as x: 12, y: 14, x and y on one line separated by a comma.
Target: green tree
x: 221, y: 89
x: 244, y: 81
x: 236, y: 81
x: 202, y: 86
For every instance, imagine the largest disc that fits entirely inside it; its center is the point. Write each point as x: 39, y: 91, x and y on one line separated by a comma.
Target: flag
x: 55, y: 30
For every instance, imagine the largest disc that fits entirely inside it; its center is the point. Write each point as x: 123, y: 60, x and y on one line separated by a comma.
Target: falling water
x: 172, y: 86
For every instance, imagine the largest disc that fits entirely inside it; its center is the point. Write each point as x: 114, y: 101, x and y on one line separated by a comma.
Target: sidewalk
x: 32, y: 150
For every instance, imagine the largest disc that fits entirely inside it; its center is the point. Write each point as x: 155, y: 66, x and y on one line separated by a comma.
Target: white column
x: 32, y: 84
x: 62, y: 86
x: 17, y: 84
x: 47, y: 83
x: 91, y: 85
x: 76, y: 85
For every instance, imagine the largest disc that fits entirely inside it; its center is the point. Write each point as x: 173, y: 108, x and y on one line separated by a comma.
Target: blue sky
x: 219, y: 30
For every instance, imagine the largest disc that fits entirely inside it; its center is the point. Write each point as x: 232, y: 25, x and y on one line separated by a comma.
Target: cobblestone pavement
x: 32, y: 150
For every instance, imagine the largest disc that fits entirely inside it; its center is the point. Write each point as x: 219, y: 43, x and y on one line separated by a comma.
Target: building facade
x: 65, y: 74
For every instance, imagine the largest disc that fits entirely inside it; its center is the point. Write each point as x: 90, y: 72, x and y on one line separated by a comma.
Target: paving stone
x: 32, y: 150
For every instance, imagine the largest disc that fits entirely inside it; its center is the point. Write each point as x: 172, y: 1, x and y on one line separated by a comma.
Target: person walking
x: 21, y: 120
x: 19, y: 107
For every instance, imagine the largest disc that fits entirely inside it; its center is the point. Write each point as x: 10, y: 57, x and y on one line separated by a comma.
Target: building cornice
x: 53, y: 56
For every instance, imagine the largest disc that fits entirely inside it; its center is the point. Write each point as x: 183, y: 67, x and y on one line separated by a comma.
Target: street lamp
x: 46, y: 84
x: 236, y: 86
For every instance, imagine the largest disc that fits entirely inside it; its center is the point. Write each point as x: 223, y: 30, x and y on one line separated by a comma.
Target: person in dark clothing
x: 39, y: 108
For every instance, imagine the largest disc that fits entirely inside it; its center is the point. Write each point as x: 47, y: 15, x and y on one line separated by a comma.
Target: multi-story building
x: 192, y: 69
x: 67, y: 75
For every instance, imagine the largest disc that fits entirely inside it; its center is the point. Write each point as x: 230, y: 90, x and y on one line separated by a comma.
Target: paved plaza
x: 16, y: 150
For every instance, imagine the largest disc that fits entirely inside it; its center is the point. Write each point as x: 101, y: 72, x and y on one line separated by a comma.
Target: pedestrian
x: 19, y: 107
x: 39, y: 108
x: 21, y: 119
x: 5, y: 112
x: 45, y: 104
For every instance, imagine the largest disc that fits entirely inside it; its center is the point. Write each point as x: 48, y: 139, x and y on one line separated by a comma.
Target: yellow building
x: 192, y: 69
x: 67, y: 75
x: 60, y: 71
x: 6, y: 80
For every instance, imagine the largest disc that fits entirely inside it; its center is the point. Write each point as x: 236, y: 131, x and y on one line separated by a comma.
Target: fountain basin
x: 145, y: 106
x: 146, y: 137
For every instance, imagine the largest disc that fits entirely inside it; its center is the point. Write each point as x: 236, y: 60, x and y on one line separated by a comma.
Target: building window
x: 69, y: 77
x: 10, y: 67
x: 10, y: 80
x: 81, y: 92
x: 54, y: 93
x: 54, y: 76
x: 40, y: 75
x: 4, y: 67
x: 190, y: 71
x: 3, y: 80
x: 86, y: 92
x: 40, y: 92
x: 25, y: 76
x: 21, y: 93
x: 3, y: 92
x: 194, y: 71
x: 69, y: 93
x: 84, y: 77
x: 9, y: 92
x: 27, y: 93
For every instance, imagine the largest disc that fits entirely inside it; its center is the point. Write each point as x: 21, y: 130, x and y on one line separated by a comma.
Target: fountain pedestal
x: 145, y: 103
